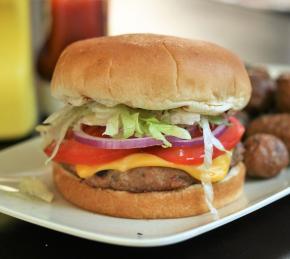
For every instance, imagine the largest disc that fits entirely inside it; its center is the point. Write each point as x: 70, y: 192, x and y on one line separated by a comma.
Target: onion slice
x: 111, y: 143
x: 177, y: 142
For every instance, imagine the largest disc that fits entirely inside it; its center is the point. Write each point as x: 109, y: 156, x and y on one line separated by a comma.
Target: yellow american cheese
x: 216, y: 172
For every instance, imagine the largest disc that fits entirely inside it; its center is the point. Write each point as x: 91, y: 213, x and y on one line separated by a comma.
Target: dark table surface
x: 262, y: 234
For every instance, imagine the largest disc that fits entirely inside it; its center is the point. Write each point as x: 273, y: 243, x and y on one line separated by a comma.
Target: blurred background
x: 34, y: 33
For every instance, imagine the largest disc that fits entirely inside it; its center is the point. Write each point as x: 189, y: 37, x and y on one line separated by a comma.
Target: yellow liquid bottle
x: 17, y: 93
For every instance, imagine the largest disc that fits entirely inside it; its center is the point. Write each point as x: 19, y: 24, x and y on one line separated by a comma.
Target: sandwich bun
x: 185, y: 202
x: 152, y: 72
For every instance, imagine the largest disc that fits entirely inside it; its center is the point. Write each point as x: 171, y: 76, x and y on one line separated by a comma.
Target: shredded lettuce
x: 209, y: 196
x: 180, y: 116
x: 120, y: 121
x: 124, y: 122
x: 139, y: 132
x: 36, y: 188
x: 207, y: 140
x: 210, y: 141
x: 112, y: 126
x: 56, y: 126
x: 128, y: 122
x: 172, y: 130
x: 217, y: 120
x: 156, y: 133
x: 59, y: 114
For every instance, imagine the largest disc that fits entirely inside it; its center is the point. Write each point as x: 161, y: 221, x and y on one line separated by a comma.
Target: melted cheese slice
x: 216, y: 172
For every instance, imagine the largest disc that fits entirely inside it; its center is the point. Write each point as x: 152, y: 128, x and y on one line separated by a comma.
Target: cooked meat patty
x: 142, y: 179
x: 147, y: 179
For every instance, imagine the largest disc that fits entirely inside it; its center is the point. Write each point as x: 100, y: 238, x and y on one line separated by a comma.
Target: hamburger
x: 146, y: 130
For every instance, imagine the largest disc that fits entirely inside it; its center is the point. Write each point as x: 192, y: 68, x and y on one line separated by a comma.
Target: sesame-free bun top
x: 152, y: 72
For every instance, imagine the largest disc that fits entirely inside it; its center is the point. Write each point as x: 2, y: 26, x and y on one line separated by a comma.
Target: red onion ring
x: 178, y: 142
x: 110, y: 143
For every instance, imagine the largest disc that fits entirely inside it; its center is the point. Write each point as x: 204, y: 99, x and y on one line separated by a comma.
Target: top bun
x: 152, y: 72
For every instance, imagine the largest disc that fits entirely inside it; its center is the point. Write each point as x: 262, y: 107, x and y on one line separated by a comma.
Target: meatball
x: 274, y: 124
x: 263, y: 89
x: 283, y: 92
x: 259, y: 70
x: 265, y: 155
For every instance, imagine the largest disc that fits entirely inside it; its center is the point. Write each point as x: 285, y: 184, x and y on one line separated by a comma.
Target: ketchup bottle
x: 72, y: 20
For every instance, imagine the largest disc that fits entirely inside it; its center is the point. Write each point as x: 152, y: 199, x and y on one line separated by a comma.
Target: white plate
x: 27, y: 158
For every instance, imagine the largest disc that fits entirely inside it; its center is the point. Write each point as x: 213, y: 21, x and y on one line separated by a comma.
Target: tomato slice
x: 195, y: 155
x: 73, y: 152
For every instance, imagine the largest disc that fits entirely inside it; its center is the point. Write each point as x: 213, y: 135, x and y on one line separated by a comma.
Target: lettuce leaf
x: 172, y: 130
x: 127, y: 123
x: 139, y: 132
x: 112, y: 126
x: 156, y: 133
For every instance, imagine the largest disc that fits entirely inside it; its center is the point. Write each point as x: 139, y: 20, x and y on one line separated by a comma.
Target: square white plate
x: 27, y: 158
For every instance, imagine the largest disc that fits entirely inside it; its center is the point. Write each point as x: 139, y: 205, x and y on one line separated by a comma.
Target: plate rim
x: 150, y: 242
x: 138, y: 242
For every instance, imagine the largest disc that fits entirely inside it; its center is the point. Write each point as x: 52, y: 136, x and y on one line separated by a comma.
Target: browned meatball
x: 265, y: 155
x: 263, y: 89
x: 283, y: 93
x: 275, y: 124
x: 260, y: 71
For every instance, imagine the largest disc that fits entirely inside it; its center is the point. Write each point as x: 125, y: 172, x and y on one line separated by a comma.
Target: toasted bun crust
x: 152, y: 72
x: 151, y: 205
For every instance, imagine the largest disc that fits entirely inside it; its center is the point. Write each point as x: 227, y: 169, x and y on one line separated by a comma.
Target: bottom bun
x: 185, y: 202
